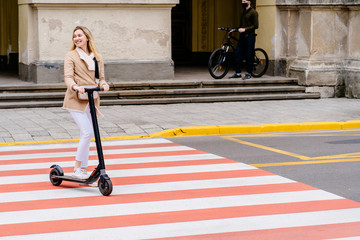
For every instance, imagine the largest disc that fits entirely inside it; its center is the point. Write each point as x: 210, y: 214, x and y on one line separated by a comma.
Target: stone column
x: 352, y: 63
x: 315, y: 42
x: 266, y: 38
x: 133, y: 36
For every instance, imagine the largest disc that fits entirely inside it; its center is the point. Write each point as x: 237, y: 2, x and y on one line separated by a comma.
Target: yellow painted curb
x: 262, y: 128
x: 222, y: 130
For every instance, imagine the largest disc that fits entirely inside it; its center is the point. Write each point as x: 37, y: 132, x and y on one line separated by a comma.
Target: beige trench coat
x: 76, y: 72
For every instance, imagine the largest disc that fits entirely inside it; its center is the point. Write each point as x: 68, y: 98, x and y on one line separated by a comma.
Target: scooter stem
x: 96, y: 131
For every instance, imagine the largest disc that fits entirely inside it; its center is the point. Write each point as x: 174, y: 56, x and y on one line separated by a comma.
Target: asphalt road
x: 328, y: 160
x: 164, y: 190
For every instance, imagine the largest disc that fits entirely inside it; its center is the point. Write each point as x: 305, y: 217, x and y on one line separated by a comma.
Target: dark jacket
x: 249, y: 20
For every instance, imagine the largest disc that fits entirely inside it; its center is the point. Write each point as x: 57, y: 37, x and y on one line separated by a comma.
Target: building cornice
x: 98, y: 2
x: 318, y: 2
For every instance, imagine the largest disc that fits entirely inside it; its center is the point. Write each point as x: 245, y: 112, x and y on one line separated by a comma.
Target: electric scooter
x: 105, y: 185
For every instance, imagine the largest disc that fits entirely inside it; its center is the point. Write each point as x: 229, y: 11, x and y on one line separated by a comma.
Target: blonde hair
x: 90, y: 44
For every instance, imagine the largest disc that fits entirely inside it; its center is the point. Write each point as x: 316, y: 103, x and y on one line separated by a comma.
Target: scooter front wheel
x: 105, y: 186
x: 53, y: 177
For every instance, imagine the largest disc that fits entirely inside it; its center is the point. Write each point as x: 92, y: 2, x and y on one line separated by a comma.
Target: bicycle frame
x: 228, y: 42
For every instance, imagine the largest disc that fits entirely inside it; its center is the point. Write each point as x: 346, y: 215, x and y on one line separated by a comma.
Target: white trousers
x: 83, y: 120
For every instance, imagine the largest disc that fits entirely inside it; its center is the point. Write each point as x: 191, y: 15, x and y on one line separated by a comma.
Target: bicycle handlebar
x: 228, y: 29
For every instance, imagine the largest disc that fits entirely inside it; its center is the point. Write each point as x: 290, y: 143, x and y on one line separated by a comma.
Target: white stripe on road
x: 116, y: 161
x: 162, y: 206
x: 74, y: 145
x: 229, y: 225
x: 349, y: 238
x: 94, y: 153
x: 142, y: 188
x: 138, y: 172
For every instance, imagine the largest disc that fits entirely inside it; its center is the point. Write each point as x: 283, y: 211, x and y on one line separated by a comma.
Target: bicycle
x: 219, y: 61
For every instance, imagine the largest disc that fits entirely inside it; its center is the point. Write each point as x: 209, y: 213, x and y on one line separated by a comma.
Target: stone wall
x: 319, y: 44
x: 134, y: 37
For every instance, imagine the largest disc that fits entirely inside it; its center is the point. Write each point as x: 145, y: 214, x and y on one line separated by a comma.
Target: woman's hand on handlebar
x: 106, y: 87
x: 79, y: 89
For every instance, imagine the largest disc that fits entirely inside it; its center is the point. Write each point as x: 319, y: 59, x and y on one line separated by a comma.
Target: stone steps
x: 108, y: 102
x: 162, y: 92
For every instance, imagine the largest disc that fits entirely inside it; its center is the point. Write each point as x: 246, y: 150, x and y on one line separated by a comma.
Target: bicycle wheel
x: 218, y: 64
x: 261, y: 63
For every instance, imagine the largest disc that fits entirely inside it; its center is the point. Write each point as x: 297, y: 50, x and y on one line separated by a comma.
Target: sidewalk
x: 44, y: 124
x: 47, y: 124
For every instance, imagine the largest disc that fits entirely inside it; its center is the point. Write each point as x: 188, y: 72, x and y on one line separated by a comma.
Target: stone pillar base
x: 325, y: 92
x: 136, y: 70
x: 42, y: 72
x: 324, y: 76
x: 115, y: 71
x: 280, y: 67
x: 352, y: 78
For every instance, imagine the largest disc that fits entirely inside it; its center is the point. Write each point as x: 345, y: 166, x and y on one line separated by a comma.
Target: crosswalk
x: 163, y: 190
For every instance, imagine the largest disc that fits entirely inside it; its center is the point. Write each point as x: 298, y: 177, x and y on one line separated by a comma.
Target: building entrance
x: 9, y: 53
x: 181, y: 27
x: 194, y: 28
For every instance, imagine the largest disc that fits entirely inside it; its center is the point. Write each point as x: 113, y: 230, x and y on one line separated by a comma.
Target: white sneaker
x: 80, y: 173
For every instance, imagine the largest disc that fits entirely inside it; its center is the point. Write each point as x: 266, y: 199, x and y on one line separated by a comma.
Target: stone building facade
x: 318, y: 42
x: 134, y: 36
x: 313, y: 40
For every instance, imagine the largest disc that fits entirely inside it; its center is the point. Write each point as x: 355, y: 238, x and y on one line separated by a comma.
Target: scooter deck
x: 72, y: 179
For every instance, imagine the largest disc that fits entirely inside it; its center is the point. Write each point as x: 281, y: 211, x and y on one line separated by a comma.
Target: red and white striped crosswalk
x: 162, y: 190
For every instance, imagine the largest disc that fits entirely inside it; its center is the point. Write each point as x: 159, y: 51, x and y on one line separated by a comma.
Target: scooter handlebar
x: 95, y: 89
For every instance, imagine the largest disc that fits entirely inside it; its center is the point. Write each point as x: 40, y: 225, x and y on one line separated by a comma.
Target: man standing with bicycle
x: 249, y: 21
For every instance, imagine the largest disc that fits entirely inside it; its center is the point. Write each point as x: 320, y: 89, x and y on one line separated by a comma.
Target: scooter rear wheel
x: 105, y: 186
x: 53, y: 179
